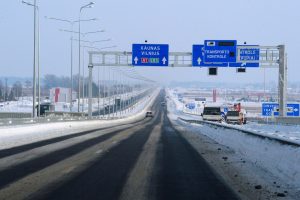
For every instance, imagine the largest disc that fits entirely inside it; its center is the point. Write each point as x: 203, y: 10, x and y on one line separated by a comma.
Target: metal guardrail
x: 5, y: 115
x: 64, y: 114
x: 288, y: 120
x: 250, y: 133
x: 52, y: 117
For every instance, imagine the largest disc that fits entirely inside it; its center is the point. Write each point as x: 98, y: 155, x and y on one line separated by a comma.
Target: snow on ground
x: 269, y: 158
x: 24, y: 134
x: 286, y: 132
x: 24, y: 104
x: 280, y: 131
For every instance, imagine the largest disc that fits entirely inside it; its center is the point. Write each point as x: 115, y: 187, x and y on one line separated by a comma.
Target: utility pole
x: 282, y: 82
x: 34, y: 62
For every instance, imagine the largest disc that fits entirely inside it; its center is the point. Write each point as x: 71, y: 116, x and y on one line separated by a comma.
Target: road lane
x: 149, y: 160
x: 182, y: 173
x: 106, y: 177
x: 26, y: 147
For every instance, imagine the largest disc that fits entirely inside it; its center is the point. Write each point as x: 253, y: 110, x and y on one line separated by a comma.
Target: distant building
x: 61, y: 95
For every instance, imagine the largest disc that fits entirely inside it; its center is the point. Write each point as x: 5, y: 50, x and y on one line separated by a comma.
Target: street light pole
x: 38, y: 63
x: 35, y: 56
x: 34, y: 60
x: 79, y: 51
x: 71, y: 22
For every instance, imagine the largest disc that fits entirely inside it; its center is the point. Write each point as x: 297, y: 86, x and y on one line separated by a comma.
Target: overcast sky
x: 177, y: 23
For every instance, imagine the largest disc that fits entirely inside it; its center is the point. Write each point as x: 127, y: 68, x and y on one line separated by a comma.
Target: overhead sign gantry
x: 211, y: 54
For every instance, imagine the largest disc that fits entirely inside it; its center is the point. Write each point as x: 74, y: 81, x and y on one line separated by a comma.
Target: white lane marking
x: 99, y: 151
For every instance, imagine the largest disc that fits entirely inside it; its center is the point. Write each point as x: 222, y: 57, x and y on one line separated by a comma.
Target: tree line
x: 10, y: 93
x: 19, y: 89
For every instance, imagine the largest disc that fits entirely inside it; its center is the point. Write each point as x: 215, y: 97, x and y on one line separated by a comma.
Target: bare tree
x: 17, y: 89
x: 28, y: 84
x: 1, y: 91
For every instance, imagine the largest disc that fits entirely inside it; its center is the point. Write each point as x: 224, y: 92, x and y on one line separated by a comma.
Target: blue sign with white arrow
x: 220, y: 51
x: 150, y: 55
x: 271, y: 109
x: 245, y: 54
x: 198, y: 58
x: 243, y: 64
x: 293, y: 110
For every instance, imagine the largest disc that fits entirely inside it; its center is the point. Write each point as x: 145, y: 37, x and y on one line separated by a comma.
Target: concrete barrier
x: 288, y: 120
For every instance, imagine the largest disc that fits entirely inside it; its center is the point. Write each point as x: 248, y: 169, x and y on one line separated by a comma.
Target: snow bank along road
x: 257, y: 165
x: 148, y: 159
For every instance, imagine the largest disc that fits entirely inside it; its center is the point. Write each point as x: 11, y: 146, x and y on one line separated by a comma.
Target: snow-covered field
x: 285, y: 132
x: 291, y: 132
x: 24, y: 104
x: 268, y: 162
x: 24, y: 134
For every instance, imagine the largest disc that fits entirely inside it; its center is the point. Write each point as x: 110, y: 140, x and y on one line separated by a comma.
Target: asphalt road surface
x: 148, y: 159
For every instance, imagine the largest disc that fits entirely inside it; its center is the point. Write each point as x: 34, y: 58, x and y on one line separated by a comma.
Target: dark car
x: 149, y: 114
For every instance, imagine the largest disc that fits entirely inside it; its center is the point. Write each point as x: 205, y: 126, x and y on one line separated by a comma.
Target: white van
x: 212, y: 114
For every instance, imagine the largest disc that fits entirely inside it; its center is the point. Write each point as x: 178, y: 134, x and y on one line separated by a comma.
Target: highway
x: 148, y: 159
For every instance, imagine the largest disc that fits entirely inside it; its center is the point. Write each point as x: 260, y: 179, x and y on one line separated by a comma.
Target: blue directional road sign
x: 150, y: 55
x: 293, y: 110
x: 225, y: 110
x: 220, y: 51
x: 271, y: 109
x: 243, y: 64
x: 191, y: 106
x: 247, y: 53
x: 198, y: 58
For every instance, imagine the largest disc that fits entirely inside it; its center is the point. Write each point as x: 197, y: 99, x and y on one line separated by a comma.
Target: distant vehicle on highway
x: 236, y: 117
x: 163, y: 103
x: 149, y: 114
x: 212, y: 114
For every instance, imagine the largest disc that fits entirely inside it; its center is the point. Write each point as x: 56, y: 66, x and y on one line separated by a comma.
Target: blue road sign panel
x: 150, y: 55
x: 220, y: 51
x: 293, y: 110
x: 198, y: 58
x: 243, y: 64
x: 191, y: 106
x: 247, y: 54
x: 225, y: 110
x: 271, y: 109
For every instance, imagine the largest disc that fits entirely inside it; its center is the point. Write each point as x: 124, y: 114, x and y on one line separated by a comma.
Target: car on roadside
x: 212, y: 114
x: 236, y: 117
x: 149, y: 114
